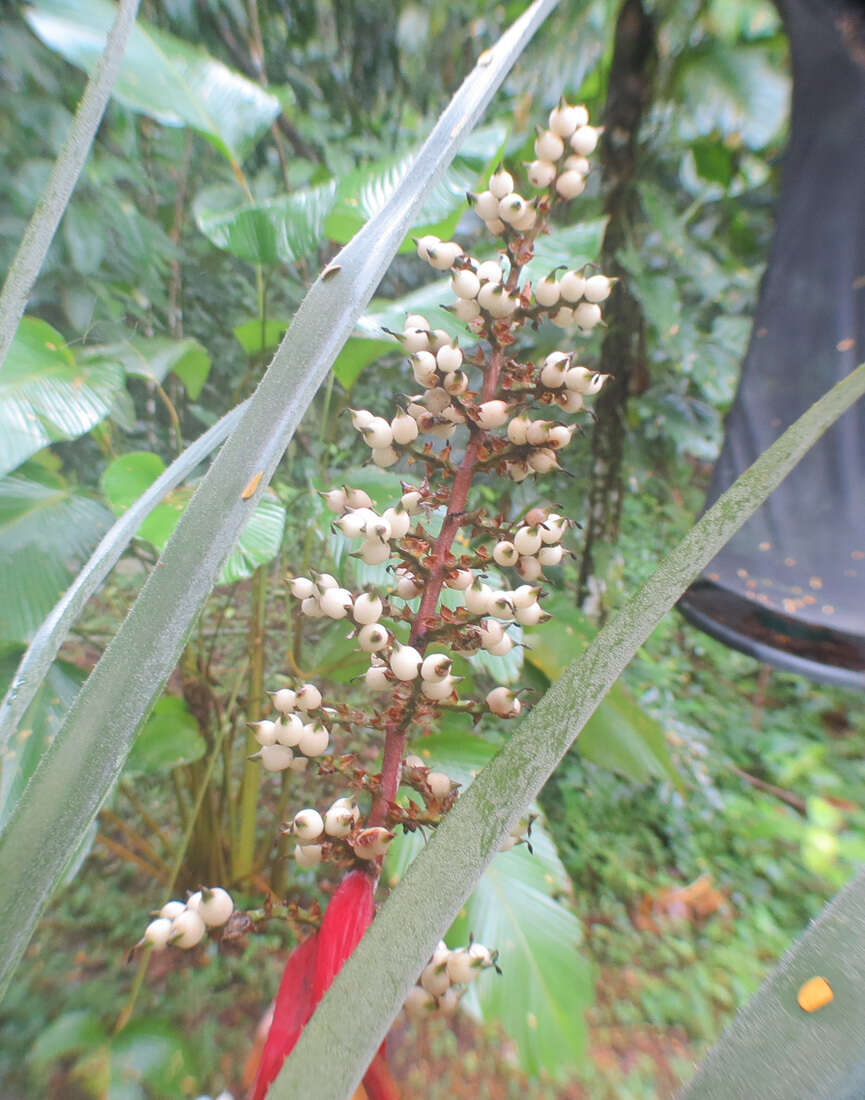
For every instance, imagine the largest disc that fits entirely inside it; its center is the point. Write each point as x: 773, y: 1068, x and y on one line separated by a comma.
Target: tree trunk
x: 623, y: 349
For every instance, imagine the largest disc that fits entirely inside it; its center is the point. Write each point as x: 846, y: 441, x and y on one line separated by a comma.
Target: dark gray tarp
x: 790, y: 587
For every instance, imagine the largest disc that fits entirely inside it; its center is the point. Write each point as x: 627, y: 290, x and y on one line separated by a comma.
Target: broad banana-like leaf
x: 46, y: 396
x: 340, y: 1040
x: 47, y: 529
x: 77, y: 772
x: 153, y: 357
x: 161, y: 76
x: 366, y: 191
x: 130, y: 475
x: 619, y: 736
x: 47, y: 640
x: 281, y: 230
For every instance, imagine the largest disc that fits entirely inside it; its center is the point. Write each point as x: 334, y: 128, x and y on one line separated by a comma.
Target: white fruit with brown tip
x: 549, y: 146
x: 435, y: 667
x: 571, y: 286
x: 434, y: 979
x: 215, y: 907
x: 584, y: 140
x: 503, y: 702
x: 541, y: 173
x: 405, y: 662
x: 587, y: 315
x: 501, y: 184
x: 307, y: 856
x: 336, y: 603
x: 367, y: 609
x: 419, y: 1003
x: 187, y: 929
x: 334, y: 500
x: 439, y: 690
x: 265, y: 732
x: 598, y: 288
x: 376, y: 678
x: 565, y: 119
x: 486, y: 204
x: 314, y: 740
x: 308, y: 825
x: 372, y: 843
x: 404, y: 429
x: 338, y: 822
x: 308, y: 697
x: 440, y: 785
x: 301, y: 588
x: 289, y: 730
x: 276, y: 758
x: 569, y: 185
x: 547, y: 291
x: 158, y: 932
x: 492, y: 414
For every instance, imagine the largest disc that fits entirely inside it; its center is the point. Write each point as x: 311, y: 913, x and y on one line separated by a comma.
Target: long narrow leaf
x: 48, y: 639
x: 64, y: 175
x: 341, y: 1038
x: 86, y: 757
x: 775, y: 1049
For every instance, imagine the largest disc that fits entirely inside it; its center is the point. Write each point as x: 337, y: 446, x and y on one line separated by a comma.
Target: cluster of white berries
x: 561, y: 153
x: 183, y: 924
x: 578, y: 297
x: 506, y: 438
x: 534, y: 544
x: 297, y: 734
x: 437, y: 987
x: 357, y: 520
x: 336, y: 832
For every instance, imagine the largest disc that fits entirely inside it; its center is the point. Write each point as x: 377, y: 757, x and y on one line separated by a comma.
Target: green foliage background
x: 192, y: 237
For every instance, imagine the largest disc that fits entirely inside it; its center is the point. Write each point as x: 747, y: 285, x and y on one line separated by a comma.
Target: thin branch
x: 67, y: 168
x: 786, y: 796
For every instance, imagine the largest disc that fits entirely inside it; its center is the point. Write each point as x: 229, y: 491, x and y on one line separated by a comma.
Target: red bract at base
x: 310, y: 969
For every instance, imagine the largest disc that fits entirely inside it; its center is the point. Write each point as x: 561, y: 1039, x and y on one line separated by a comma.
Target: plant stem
x: 126, y: 1012
x: 396, y: 734
x: 243, y: 854
x: 135, y: 839
x: 149, y: 820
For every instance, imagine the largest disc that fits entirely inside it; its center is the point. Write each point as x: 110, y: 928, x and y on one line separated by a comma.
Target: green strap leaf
x: 55, y: 197
x: 82, y: 764
x: 50, y: 703
x: 339, y: 1041
x: 545, y: 985
x: 775, y: 1049
x: 619, y: 736
x: 161, y: 76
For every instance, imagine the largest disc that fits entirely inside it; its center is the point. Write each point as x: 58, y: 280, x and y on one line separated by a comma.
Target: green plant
x: 245, y: 475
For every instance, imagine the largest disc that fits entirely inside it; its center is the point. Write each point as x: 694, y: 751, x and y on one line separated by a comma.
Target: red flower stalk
x: 310, y: 969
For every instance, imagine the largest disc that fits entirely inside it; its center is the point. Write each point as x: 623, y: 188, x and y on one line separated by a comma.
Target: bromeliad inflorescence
x: 477, y: 411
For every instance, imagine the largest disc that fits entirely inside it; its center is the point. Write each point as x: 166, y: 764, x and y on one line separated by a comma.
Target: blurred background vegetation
x: 713, y: 805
